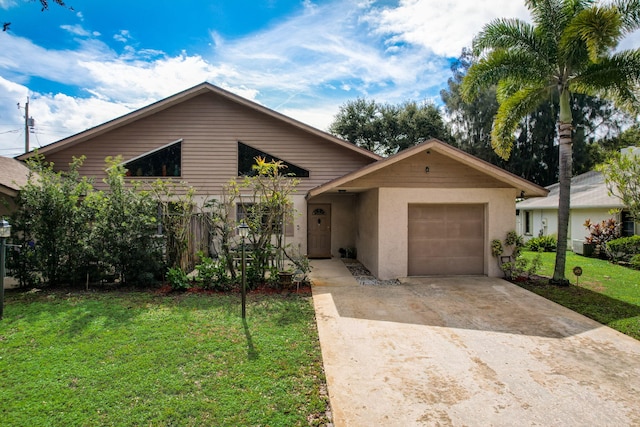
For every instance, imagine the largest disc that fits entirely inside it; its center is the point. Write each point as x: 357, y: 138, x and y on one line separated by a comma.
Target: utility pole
x: 28, y: 124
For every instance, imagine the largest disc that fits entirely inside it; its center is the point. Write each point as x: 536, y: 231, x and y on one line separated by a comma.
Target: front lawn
x: 607, y: 293
x: 124, y: 359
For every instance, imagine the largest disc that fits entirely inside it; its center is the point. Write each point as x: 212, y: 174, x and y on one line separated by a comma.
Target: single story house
x: 14, y: 175
x: 429, y: 210
x: 590, y: 199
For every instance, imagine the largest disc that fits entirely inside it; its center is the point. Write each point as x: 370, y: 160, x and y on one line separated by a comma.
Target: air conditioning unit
x: 578, y: 247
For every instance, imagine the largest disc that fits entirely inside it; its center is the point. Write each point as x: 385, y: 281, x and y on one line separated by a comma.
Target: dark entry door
x: 319, y: 231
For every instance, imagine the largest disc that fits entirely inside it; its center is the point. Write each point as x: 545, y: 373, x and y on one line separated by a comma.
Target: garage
x: 446, y: 239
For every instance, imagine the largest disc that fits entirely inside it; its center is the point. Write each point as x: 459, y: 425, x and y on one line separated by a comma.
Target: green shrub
x: 624, y: 248
x: 516, y: 266
x: 178, y: 279
x: 543, y: 244
x: 212, y: 274
x: 635, y: 261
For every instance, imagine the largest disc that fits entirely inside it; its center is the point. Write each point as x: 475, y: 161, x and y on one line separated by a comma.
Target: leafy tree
x: 622, y: 176
x: 223, y: 226
x: 386, y: 129
x: 124, y: 232
x: 566, y: 51
x: 470, y: 121
x: 607, y: 147
x: 267, y: 211
x: 359, y: 122
x: 51, y: 224
x: 535, y: 152
x: 177, y: 210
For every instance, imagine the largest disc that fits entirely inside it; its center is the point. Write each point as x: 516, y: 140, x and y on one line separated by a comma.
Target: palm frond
x: 616, y: 78
x: 507, y: 87
x: 598, y: 28
x: 622, y: 68
x: 552, y: 16
x: 630, y: 14
x: 509, y: 114
x: 506, y: 34
x: 503, y: 64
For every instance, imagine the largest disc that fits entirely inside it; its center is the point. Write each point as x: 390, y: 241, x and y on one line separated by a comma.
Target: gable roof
x: 202, y: 88
x: 527, y: 188
x: 587, y: 191
x: 13, y: 176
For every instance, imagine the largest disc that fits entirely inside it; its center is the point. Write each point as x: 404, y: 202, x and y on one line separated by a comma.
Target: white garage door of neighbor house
x: 446, y: 239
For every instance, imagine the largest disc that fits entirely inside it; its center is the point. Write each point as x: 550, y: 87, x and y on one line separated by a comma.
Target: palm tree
x: 569, y: 49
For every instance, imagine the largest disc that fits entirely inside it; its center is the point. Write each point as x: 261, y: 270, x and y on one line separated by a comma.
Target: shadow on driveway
x: 472, y: 351
x: 477, y: 303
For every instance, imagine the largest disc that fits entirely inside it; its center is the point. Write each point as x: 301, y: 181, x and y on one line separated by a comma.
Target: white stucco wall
x: 392, y: 257
x: 541, y: 220
x: 577, y: 218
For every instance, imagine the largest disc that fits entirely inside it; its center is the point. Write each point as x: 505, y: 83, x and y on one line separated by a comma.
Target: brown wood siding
x: 444, y: 172
x: 210, y: 127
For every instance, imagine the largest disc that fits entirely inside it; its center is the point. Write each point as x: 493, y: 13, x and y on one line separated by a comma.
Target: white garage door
x: 446, y: 239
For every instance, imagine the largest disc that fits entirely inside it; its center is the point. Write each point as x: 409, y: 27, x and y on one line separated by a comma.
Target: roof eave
x: 526, y: 188
x: 181, y: 97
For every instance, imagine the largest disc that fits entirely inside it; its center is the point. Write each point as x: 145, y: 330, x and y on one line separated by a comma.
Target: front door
x: 319, y: 231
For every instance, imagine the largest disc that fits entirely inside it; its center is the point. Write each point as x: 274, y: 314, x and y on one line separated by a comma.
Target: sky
x: 94, y: 61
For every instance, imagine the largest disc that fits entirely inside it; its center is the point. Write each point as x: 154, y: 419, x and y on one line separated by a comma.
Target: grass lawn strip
x: 607, y: 293
x: 146, y: 359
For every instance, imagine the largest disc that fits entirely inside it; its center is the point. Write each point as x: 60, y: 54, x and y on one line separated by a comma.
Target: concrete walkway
x: 467, y: 351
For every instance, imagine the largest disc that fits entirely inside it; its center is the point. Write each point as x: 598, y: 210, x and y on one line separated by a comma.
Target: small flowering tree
x: 601, y: 233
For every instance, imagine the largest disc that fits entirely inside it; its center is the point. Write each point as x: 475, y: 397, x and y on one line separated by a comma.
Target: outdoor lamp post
x: 5, y: 231
x: 243, y: 231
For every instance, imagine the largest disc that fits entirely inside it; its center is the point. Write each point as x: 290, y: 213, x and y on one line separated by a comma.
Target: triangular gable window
x: 163, y: 161
x: 246, y: 160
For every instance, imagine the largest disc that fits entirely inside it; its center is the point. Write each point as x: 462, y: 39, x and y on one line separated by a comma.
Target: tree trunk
x: 565, y: 172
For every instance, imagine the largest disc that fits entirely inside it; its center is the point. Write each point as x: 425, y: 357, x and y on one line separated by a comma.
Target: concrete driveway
x: 467, y: 351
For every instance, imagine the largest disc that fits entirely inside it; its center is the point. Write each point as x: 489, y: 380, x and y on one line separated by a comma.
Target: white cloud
x: 305, y: 66
x: 7, y: 4
x: 123, y: 36
x: 327, y: 44
x: 77, y: 30
x: 444, y: 27
x: 22, y: 59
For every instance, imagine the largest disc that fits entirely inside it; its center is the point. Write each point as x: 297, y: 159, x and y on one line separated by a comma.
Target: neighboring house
x: 14, y: 175
x: 429, y: 210
x: 590, y: 199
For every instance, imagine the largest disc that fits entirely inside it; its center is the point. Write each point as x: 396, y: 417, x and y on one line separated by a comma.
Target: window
x: 628, y: 225
x: 164, y: 161
x: 248, y: 209
x: 246, y: 160
x: 528, y: 222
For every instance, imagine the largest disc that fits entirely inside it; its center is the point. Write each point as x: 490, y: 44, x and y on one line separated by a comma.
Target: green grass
x: 133, y: 359
x: 607, y: 293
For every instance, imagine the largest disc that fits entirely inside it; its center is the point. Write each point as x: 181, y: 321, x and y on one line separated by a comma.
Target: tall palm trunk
x: 565, y: 172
